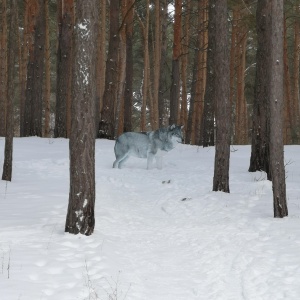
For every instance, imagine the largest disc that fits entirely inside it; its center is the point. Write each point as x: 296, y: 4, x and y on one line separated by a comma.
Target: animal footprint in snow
x: 166, y: 181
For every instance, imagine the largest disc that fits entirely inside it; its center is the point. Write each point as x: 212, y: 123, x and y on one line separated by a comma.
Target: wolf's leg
x: 149, y: 160
x: 159, y: 161
x: 121, y: 162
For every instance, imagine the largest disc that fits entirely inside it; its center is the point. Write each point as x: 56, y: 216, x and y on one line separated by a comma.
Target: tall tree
x: 222, y: 90
x: 64, y: 62
x: 259, y: 160
x: 275, y: 89
x: 162, y: 111
x: 47, y: 72
x: 107, y: 114
x: 129, y: 67
x: 3, y: 67
x: 80, y: 216
x: 175, y: 85
x: 35, y: 70
x: 12, y: 61
x: 209, y: 105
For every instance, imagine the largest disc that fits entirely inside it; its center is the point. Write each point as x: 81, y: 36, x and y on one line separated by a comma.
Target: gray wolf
x: 147, y: 145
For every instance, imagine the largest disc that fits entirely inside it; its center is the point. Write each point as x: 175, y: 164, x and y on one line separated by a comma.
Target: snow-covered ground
x: 159, y: 235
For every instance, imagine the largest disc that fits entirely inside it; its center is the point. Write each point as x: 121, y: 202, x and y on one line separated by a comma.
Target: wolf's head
x: 176, y: 133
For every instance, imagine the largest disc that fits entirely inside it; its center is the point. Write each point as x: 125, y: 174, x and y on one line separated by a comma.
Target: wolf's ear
x: 172, y: 126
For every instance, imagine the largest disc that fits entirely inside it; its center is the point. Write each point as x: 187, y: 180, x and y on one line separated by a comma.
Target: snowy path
x: 160, y: 234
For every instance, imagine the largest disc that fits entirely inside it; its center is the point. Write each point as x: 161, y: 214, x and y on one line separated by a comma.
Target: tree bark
x: 80, y: 216
x: 64, y: 64
x: 47, y: 74
x: 209, y: 109
x: 3, y: 68
x: 222, y: 90
x: 260, y: 152
x: 107, y: 118
x: 12, y: 61
x: 276, y: 108
x: 129, y: 68
x: 175, y: 85
x: 35, y: 70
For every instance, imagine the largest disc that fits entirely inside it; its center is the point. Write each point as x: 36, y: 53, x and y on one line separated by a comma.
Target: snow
x: 159, y: 234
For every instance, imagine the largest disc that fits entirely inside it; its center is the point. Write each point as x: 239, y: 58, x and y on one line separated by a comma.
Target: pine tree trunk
x: 47, y: 74
x: 129, y: 68
x: 80, y: 217
x: 295, y: 83
x: 288, y: 120
x: 222, y: 91
x: 163, y: 117
x: 12, y: 61
x: 64, y: 63
x: 35, y: 70
x: 259, y: 160
x: 209, y: 105
x: 276, y: 108
x: 156, y: 71
x: 3, y: 68
x: 175, y: 85
x: 107, y: 119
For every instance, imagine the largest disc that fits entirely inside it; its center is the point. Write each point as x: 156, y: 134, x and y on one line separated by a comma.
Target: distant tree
x: 12, y: 58
x: 222, y: 101
x: 3, y: 67
x: 175, y: 85
x: 64, y: 61
x: 129, y: 68
x: 107, y: 114
x: 209, y: 105
x: 47, y: 72
x: 80, y: 216
x: 275, y: 97
x: 259, y: 160
x: 35, y: 69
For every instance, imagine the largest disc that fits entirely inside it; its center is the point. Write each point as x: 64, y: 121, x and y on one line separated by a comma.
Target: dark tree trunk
x: 259, y: 160
x: 80, y: 216
x: 175, y: 85
x: 64, y: 62
x: 129, y: 69
x: 209, y: 96
x: 3, y: 67
x: 12, y: 61
x: 222, y: 91
x: 35, y: 70
x: 163, y: 64
x: 276, y: 108
x: 107, y: 121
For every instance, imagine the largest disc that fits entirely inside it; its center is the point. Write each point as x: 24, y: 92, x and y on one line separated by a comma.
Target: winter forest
x: 226, y: 70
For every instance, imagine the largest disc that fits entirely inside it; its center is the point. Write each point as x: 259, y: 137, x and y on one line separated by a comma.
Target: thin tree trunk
x: 222, y: 91
x: 107, y: 119
x: 64, y: 63
x: 276, y: 106
x: 3, y: 68
x: 12, y: 61
x: 184, y: 62
x: 47, y: 74
x: 209, y: 105
x: 157, y: 58
x: 23, y: 69
x: 163, y: 65
x: 288, y: 120
x: 129, y: 68
x: 295, y: 83
x: 259, y: 160
x: 35, y: 70
x: 175, y: 85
